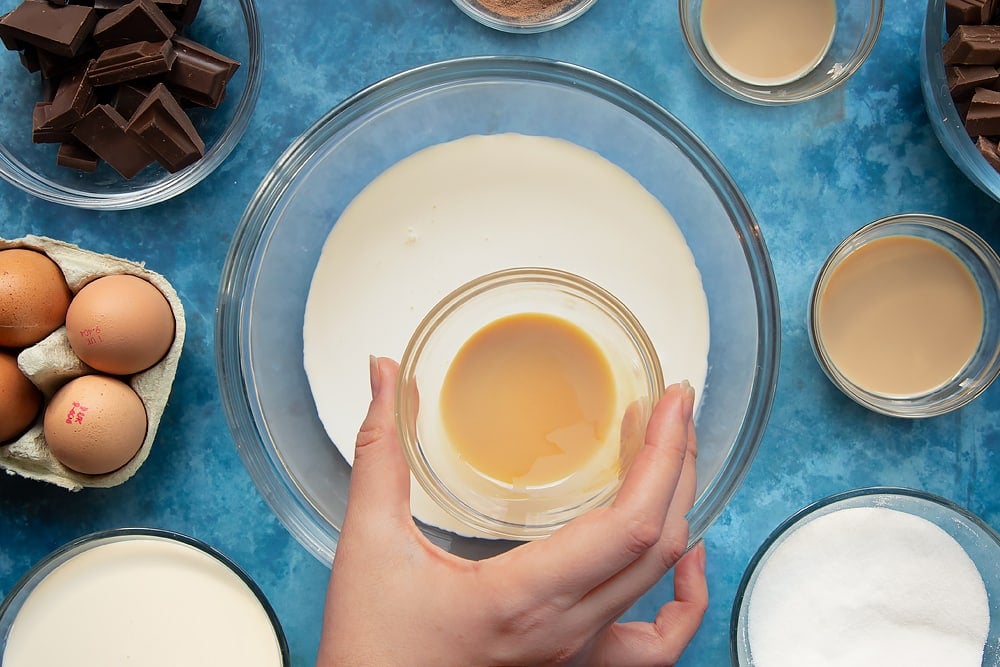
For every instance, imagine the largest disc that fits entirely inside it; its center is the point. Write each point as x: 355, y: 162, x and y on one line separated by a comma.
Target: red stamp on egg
x: 76, y: 413
x: 92, y: 335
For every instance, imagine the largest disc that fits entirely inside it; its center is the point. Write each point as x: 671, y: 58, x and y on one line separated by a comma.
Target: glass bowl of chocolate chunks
x: 960, y: 80
x: 119, y: 104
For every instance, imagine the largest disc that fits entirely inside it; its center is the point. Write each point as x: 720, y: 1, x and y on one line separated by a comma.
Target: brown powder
x: 526, y: 10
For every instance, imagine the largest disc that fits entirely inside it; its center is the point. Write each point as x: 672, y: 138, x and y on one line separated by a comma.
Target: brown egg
x: 95, y: 424
x: 120, y: 324
x: 33, y: 297
x: 20, y: 399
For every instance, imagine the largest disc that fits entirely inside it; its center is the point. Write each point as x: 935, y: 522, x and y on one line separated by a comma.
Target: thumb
x: 380, y: 478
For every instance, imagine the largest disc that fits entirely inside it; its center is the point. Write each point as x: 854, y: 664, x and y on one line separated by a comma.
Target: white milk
x: 143, y: 602
x: 458, y: 210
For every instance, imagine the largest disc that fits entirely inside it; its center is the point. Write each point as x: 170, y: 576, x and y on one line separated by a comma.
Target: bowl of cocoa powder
x: 524, y: 16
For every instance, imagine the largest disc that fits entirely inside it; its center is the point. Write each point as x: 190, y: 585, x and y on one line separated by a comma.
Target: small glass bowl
x: 230, y: 28
x: 945, y: 119
x: 984, y: 266
x: 507, y: 510
x: 977, y: 538
x: 547, y: 19
x: 23, y: 589
x: 858, y: 25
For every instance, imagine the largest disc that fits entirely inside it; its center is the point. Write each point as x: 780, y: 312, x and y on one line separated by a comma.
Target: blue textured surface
x: 812, y: 174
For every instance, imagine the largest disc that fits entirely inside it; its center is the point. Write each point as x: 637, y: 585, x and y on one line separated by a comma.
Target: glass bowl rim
x: 764, y: 94
x: 239, y: 397
x: 173, y: 184
x: 900, y: 407
x: 422, y: 469
x: 86, y: 542
x: 808, y: 510
x: 521, y: 27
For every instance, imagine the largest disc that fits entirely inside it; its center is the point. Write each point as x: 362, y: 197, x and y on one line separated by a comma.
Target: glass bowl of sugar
x: 872, y: 576
x: 522, y: 399
x: 904, y: 315
x: 775, y: 52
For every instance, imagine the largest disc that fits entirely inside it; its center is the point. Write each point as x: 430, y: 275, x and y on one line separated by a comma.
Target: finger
x: 592, y: 548
x: 612, y: 598
x: 662, y: 641
x: 380, y: 477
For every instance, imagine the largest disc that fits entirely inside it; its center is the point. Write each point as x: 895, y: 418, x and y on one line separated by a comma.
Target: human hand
x: 396, y: 599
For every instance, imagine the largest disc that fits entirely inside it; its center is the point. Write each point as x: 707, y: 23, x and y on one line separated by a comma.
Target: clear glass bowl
x: 979, y: 540
x: 944, y: 116
x: 276, y: 247
x: 858, y: 25
x: 984, y: 266
x: 22, y: 590
x: 540, y: 22
x: 230, y: 28
x: 521, y: 511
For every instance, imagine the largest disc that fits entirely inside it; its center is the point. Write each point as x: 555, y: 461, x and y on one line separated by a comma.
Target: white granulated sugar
x: 868, y: 587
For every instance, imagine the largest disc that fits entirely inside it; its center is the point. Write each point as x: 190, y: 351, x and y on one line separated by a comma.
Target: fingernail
x: 702, y: 554
x: 375, y: 374
x: 687, y: 400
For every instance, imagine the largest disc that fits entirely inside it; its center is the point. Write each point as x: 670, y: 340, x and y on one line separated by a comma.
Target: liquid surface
x: 145, y: 602
x: 900, y: 316
x: 528, y: 399
x: 457, y: 210
x: 768, y: 42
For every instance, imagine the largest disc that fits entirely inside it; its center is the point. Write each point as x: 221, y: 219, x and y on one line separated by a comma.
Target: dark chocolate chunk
x: 103, y: 131
x: 56, y: 67
x: 983, y: 117
x: 74, y: 155
x: 973, y: 45
x: 29, y: 59
x: 960, y: 12
x: 963, y: 80
x: 138, y: 21
x: 166, y: 130
x: 132, y: 61
x: 103, y: 6
x: 74, y: 98
x: 990, y: 151
x: 41, y: 131
x: 127, y: 99
x: 199, y: 74
x: 59, y: 30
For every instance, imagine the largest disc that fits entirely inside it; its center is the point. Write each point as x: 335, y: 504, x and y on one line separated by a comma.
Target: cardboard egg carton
x: 51, y: 363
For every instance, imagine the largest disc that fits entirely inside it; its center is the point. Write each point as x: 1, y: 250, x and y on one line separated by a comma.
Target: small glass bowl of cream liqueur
x: 776, y: 52
x: 522, y: 399
x: 904, y: 316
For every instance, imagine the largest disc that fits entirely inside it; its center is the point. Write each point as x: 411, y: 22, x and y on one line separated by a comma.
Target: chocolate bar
x: 983, y: 117
x: 138, y: 21
x: 132, y: 61
x: 75, y: 155
x: 973, y: 45
x: 41, y: 131
x: 102, y: 130
x: 58, y: 30
x: 127, y: 99
x: 963, y: 80
x: 74, y: 98
x: 166, y: 131
x: 967, y: 12
x: 199, y: 74
x: 990, y: 151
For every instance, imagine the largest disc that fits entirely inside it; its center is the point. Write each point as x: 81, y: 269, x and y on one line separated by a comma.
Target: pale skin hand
x: 396, y: 599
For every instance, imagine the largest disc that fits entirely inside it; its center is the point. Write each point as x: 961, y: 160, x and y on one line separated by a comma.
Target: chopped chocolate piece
x: 132, y: 61
x: 74, y: 98
x: 108, y: 5
x: 41, y: 131
x: 983, y: 117
x: 186, y: 10
x: 990, y: 151
x: 960, y: 12
x: 973, y: 45
x: 963, y: 80
x: 8, y: 40
x: 103, y: 131
x: 127, y: 99
x: 60, y: 30
x: 75, y: 155
x: 56, y: 67
x: 138, y: 21
x: 166, y: 130
x: 199, y: 74
x: 29, y: 58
